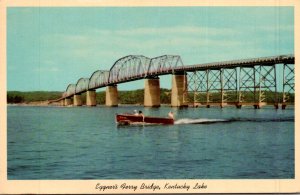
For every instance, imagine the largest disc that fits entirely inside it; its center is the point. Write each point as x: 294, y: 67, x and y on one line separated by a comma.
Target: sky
x: 51, y: 47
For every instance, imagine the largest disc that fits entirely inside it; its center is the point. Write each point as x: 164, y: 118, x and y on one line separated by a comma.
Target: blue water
x: 85, y: 143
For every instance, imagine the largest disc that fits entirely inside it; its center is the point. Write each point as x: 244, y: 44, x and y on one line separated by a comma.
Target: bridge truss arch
x: 163, y: 64
x: 82, y: 85
x: 98, y: 78
x: 129, y: 67
x: 70, y: 90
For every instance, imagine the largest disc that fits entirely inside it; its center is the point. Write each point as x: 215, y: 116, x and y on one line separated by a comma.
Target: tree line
x: 125, y: 97
x: 137, y: 96
x: 31, y: 96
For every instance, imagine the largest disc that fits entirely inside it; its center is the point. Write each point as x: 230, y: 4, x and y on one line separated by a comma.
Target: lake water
x: 86, y: 143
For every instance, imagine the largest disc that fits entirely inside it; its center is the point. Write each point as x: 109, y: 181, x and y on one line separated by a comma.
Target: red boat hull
x: 129, y: 119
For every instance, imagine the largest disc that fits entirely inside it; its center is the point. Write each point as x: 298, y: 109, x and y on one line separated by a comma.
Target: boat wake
x: 208, y: 121
x: 285, y: 119
x: 199, y: 121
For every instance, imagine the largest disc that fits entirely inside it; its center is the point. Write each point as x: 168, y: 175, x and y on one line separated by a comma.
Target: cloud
x: 47, y: 69
x: 176, y: 30
x: 138, y: 39
x: 102, y: 47
x: 274, y: 28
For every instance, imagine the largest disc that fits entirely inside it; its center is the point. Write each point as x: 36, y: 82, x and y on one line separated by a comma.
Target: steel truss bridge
x: 231, y: 80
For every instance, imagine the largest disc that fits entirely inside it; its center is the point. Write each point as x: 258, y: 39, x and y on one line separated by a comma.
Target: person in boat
x: 135, y: 112
x: 141, y: 114
x: 171, y: 115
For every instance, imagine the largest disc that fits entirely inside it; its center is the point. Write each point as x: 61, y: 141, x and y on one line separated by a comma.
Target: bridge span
x: 236, y: 82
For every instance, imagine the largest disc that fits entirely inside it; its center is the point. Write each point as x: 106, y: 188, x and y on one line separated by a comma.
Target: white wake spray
x: 198, y: 121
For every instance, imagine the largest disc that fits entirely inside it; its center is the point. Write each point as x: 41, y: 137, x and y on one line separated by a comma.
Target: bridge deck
x: 288, y: 59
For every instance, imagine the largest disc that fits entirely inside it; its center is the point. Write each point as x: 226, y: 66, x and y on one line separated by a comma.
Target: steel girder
x: 267, y: 83
x: 128, y: 67
x: 229, y: 85
x: 202, y: 84
x: 288, y: 81
x: 213, y: 83
x: 70, y: 90
x: 196, y: 86
x: 98, y: 79
x: 246, y: 83
x: 257, y: 81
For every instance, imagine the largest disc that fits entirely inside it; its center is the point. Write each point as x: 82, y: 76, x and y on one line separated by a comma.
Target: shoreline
x: 45, y: 104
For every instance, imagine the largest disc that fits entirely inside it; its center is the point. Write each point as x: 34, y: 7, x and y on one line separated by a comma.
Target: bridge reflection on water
x: 237, y: 82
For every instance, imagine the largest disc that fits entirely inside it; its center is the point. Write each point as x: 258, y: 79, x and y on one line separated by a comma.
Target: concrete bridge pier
x: 62, y: 102
x: 178, y: 95
x: 91, y: 98
x: 111, y: 98
x: 68, y: 101
x: 152, y: 92
x: 77, y: 100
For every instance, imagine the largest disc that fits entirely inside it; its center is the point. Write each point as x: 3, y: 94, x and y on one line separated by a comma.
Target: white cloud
x: 274, y: 28
x: 47, y: 69
x: 177, y: 30
x: 138, y: 39
x: 103, y: 47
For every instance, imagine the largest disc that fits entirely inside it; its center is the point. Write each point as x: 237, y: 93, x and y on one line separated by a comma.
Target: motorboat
x: 127, y: 119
